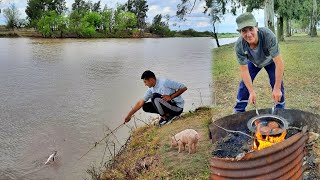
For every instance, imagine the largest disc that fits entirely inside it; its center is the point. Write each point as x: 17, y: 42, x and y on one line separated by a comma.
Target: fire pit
x: 282, y: 160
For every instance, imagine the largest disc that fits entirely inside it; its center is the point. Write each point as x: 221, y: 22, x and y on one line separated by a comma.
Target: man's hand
x: 166, y: 97
x: 136, y: 107
x: 276, y: 95
x: 127, y: 119
x: 252, y: 97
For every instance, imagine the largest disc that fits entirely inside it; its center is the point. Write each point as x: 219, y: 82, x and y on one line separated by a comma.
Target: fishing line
x: 96, y: 143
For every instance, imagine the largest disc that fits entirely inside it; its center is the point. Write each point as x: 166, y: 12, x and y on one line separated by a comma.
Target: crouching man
x: 165, y: 96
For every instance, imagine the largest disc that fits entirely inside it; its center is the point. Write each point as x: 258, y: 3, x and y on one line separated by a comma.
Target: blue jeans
x: 243, y: 93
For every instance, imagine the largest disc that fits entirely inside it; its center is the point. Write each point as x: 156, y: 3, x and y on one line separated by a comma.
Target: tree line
x: 86, y: 19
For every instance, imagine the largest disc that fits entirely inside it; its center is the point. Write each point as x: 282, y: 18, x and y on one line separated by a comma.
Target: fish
x: 51, y: 157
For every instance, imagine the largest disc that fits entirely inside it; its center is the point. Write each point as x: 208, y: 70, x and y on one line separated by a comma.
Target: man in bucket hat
x: 257, y: 48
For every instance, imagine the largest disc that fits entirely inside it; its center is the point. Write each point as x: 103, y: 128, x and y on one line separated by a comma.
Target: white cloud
x: 153, y: 8
x: 202, y: 24
x: 167, y: 10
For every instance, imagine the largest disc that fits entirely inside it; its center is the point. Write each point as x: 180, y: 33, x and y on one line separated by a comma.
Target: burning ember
x: 267, y: 135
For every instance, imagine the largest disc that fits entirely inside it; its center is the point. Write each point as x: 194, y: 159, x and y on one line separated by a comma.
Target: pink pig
x: 187, y: 136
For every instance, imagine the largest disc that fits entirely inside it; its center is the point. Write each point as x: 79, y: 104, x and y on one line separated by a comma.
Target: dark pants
x: 159, y: 106
x: 243, y: 93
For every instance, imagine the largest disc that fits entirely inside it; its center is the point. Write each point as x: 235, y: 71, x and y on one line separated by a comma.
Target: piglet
x: 187, y: 136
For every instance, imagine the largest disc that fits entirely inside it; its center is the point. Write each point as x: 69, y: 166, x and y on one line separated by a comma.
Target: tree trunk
x: 215, y: 36
x: 313, y: 20
x: 280, y: 29
x: 288, y: 27
x: 269, y: 14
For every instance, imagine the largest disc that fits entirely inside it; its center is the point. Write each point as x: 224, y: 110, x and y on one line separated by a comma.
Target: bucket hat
x: 245, y: 20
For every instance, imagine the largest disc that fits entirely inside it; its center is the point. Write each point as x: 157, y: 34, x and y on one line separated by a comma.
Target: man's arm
x: 172, y: 96
x: 244, y: 72
x: 138, y: 105
x: 276, y: 93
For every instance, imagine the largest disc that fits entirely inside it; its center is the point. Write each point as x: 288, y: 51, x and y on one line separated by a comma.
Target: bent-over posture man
x: 165, y: 98
x: 255, y: 49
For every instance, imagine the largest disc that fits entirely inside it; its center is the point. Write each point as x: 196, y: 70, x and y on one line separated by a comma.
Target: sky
x: 196, y: 20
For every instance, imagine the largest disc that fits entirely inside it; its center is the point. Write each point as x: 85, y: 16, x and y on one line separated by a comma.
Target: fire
x: 264, y: 141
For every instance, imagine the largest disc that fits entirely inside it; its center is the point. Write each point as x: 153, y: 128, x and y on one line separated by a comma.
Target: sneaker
x: 166, y: 120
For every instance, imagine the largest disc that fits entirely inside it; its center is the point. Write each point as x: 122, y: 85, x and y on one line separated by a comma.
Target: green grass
x: 154, y: 141
x: 227, y: 35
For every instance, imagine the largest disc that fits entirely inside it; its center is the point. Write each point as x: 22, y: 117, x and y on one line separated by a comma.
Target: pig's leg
x: 180, y: 146
x: 195, y: 146
x: 190, y: 147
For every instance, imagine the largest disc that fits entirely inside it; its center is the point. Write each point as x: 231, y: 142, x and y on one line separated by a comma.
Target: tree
x: 269, y: 15
x: 34, y: 11
x: 94, y: 19
x: 59, y: 6
x: 80, y: 6
x: 51, y: 22
x: 314, y: 19
x: 77, y: 25
x: 285, y: 11
x: 36, y: 8
x: 75, y: 21
x: 160, y: 27
x: 11, y: 15
x: 140, y: 9
x: 125, y: 20
x: 107, y: 20
x: 216, y: 15
x: 216, y: 8
x: 307, y: 15
x: 96, y: 7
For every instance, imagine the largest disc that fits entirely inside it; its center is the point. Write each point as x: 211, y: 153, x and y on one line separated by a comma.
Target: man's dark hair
x: 148, y: 74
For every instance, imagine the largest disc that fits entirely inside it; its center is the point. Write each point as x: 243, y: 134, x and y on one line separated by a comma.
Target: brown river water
x: 63, y: 95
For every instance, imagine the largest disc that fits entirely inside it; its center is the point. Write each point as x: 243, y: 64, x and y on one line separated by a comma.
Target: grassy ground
x: 227, y: 35
x: 151, y: 145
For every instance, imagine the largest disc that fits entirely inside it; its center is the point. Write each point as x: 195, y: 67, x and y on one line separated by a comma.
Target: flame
x: 264, y: 141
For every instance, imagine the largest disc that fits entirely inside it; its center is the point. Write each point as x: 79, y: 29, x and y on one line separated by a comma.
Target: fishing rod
x: 96, y: 143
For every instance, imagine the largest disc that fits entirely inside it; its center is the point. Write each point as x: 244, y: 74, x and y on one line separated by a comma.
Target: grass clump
x: 150, y: 146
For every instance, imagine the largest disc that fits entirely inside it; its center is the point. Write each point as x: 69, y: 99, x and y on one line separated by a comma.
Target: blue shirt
x: 262, y: 55
x: 166, y: 87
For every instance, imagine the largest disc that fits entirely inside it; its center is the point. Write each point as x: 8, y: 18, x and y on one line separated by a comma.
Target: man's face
x: 149, y: 82
x: 250, y: 34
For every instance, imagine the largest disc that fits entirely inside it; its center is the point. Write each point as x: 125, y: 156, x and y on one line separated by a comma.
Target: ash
x: 232, y: 145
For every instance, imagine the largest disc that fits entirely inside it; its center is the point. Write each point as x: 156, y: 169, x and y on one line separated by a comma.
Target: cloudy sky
x: 196, y: 20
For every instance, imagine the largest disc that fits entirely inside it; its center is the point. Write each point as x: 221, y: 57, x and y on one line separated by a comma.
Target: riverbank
x: 33, y: 33
x: 149, y: 156
x: 150, y: 146
x: 26, y: 32
x: 19, y: 33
